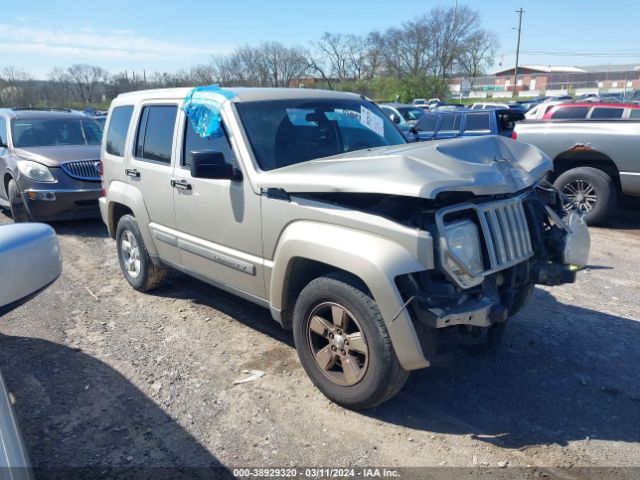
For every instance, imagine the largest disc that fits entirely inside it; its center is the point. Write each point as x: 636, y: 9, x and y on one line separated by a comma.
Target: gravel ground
x: 104, y: 376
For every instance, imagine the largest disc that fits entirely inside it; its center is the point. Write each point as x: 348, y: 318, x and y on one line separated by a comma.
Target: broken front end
x: 491, y: 253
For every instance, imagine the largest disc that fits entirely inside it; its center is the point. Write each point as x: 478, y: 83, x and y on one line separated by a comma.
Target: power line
x: 576, y: 54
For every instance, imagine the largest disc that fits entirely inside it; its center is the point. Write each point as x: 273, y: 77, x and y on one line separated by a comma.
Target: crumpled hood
x: 487, y: 165
x: 54, y: 156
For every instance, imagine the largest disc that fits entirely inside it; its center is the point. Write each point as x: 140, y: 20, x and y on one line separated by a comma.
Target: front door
x: 149, y: 170
x: 218, y: 220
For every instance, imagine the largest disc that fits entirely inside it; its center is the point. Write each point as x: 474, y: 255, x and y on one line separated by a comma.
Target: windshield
x: 286, y: 132
x: 39, y: 132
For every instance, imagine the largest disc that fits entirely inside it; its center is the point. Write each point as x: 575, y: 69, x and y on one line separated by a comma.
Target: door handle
x: 181, y: 184
x: 132, y: 172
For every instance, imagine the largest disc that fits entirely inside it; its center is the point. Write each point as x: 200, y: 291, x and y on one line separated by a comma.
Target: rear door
x: 149, y: 170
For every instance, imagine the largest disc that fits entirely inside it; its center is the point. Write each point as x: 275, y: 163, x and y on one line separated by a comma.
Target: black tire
x: 149, y: 276
x: 383, y: 377
x: 600, y: 184
x: 19, y: 211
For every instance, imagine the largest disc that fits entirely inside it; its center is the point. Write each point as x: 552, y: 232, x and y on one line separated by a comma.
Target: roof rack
x: 44, y: 109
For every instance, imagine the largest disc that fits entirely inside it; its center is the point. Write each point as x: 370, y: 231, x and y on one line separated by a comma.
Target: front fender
x: 376, y: 260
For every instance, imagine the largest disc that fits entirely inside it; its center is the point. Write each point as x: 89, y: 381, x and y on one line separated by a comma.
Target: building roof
x: 543, y: 69
x: 611, y: 68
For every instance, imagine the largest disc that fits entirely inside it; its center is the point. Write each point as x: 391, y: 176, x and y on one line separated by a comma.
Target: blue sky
x: 37, y: 35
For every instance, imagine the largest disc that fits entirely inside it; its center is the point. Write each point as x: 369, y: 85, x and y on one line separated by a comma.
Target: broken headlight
x: 463, y: 257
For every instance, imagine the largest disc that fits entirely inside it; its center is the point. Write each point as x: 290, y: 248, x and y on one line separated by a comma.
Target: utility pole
x: 515, y: 77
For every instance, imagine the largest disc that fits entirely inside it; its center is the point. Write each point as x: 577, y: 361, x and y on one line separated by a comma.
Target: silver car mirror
x: 30, y: 261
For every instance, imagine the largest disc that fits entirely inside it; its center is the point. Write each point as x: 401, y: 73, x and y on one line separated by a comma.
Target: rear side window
x: 155, y: 133
x: 118, y: 128
x: 477, y: 122
x: 603, y: 112
x: 3, y: 132
x: 195, y: 143
x: 635, y: 113
x: 427, y: 123
x: 450, y: 123
x: 574, y: 113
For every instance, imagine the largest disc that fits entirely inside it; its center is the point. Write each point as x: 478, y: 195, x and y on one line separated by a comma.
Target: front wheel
x: 343, y: 343
x: 19, y: 211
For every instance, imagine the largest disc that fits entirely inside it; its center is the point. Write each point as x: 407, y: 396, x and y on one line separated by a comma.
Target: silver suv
x: 311, y: 204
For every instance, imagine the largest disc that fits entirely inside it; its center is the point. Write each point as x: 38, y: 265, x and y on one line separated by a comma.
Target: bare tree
x: 82, y: 79
x: 17, y: 88
x: 407, y: 50
x: 478, y: 52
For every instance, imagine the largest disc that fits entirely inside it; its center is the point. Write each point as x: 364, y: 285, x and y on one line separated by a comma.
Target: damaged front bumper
x: 524, y: 242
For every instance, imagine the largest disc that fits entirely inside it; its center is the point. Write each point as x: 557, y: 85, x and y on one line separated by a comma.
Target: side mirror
x: 394, y: 118
x: 30, y: 259
x: 212, y: 164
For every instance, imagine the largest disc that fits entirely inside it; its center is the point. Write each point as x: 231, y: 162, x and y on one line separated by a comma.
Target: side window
x: 477, y: 122
x: 155, y: 133
x: 450, y: 123
x: 635, y: 113
x: 192, y: 142
x: 604, y: 112
x: 118, y: 128
x: 3, y: 132
x: 570, y: 113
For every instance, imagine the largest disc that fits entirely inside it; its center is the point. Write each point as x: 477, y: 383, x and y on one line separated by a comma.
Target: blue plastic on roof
x: 202, y: 106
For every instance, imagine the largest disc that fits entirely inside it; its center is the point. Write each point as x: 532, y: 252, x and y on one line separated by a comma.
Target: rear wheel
x: 19, y: 211
x: 135, y: 262
x: 343, y: 343
x: 591, y: 190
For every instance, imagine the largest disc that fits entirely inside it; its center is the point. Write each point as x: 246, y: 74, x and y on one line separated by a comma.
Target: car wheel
x: 135, y: 262
x: 343, y: 343
x: 591, y: 190
x: 19, y: 211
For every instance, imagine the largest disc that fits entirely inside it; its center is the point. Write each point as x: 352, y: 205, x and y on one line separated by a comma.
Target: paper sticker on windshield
x: 371, y: 121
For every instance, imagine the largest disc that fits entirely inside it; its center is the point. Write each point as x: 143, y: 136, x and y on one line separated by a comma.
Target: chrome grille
x: 506, y: 233
x: 83, y: 170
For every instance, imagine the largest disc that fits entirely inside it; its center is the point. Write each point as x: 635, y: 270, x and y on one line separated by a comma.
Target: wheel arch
x: 575, y: 158
x: 307, y: 250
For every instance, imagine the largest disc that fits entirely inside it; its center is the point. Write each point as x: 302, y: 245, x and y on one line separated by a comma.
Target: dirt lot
x: 104, y: 376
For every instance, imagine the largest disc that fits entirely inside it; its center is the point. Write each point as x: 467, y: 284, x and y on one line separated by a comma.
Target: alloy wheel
x: 338, y: 344
x: 130, y: 253
x: 582, y: 194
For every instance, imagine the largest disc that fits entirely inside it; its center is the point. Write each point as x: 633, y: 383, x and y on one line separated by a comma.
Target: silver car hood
x: 54, y: 156
x: 486, y: 165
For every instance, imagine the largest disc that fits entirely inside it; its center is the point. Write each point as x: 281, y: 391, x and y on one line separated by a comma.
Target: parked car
x: 484, y: 105
x: 311, y: 204
x: 538, y: 111
x: 400, y: 113
x: 49, y: 164
x: 594, y: 160
x: 467, y: 123
x: 575, y: 111
x: 30, y: 259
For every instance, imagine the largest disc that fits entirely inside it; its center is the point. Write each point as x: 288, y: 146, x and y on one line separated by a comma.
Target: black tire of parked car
x: 150, y: 275
x: 603, y: 185
x: 384, y: 377
x: 19, y: 211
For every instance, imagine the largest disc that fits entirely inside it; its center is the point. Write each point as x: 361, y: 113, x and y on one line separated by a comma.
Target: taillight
x: 103, y: 192
x: 514, y: 135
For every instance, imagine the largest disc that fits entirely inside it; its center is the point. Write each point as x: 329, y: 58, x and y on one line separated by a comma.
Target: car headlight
x: 35, y: 171
x: 464, y: 253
